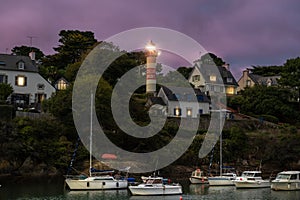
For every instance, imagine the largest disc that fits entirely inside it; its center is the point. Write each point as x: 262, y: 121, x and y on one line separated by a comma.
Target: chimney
x: 246, y: 73
x: 32, y: 55
x: 226, y: 66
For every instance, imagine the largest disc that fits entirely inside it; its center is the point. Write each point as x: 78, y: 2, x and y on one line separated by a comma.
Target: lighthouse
x: 151, y: 54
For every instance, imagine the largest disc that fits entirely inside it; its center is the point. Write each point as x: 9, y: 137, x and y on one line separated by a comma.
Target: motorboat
x: 251, y: 179
x: 286, y: 180
x: 197, y: 177
x: 225, y: 179
x: 155, y: 186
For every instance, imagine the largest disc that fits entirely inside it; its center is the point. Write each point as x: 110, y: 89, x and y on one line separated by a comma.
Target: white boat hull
x: 220, y: 181
x: 197, y: 180
x: 96, y: 184
x: 156, y: 190
x: 252, y: 184
x: 285, y: 185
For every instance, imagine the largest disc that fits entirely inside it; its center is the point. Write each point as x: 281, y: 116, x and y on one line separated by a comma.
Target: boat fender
x: 164, y: 187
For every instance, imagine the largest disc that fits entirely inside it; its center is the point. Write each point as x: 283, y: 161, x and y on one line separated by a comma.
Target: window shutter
x: 25, y: 81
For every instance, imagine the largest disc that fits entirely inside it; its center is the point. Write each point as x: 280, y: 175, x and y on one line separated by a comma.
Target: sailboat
x: 96, y: 180
x: 224, y: 179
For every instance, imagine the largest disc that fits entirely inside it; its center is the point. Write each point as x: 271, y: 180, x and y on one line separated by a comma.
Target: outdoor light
x: 151, y: 49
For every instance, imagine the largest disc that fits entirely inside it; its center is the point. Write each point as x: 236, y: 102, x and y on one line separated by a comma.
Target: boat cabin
x: 288, y: 175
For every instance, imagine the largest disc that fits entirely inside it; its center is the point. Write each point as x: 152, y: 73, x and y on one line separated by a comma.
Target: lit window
x: 230, y: 90
x: 213, y: 78
x: 61, y: 85
x: 177, y: 112
x: 189, y: 112
x: 21, y: 80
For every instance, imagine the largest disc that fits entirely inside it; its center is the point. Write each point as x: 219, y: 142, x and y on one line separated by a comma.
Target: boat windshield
x: 154, y: 181
x: 283, y: 176
x: 251, y: 174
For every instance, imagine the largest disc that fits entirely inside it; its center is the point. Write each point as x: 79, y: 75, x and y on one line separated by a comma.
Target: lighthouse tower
x: 151, y: 54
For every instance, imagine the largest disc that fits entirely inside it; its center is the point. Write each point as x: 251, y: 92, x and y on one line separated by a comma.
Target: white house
x: 30, y: 88
x: 213, y: 79
x: 167, y: 101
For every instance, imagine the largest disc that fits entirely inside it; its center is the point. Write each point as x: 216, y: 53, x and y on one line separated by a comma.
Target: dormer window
x: 21, y: 65
x: 229, y: 80
x: 196, y: 78
x: 40, y: 86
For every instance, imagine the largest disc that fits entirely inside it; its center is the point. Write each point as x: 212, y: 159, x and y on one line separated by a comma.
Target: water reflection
x: 97, y: 194
x: 198, y: 189
x: 285, y: 194
x: 170, y: 197
x: 258, y: 193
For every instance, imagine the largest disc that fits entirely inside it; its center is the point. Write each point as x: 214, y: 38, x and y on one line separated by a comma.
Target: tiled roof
x: 262, y: 80
x: 183, y: 94
x: 10, y: 62
x: 226, y: 76
x: 157, y: 100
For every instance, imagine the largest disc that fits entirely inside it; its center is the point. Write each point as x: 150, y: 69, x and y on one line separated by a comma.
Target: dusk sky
x: 242, y: 32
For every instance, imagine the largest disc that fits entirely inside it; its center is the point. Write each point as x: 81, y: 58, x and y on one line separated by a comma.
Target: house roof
x: 10, y: 62
x: 156, y: 100
x: 183, y: 94
x: 208, y: 69
x: 263, y: 80
x: 225, y: 73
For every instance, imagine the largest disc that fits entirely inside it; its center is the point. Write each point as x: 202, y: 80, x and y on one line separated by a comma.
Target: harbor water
x: 46, y: 189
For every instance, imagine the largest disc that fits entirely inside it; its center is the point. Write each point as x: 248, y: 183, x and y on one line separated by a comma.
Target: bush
x: 269, y: 118
x: 7, y: 112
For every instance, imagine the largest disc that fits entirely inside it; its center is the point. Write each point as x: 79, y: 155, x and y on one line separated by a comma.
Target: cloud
x: 242, y: 32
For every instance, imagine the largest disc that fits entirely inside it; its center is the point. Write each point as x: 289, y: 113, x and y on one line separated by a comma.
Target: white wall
x: 184, y: 105
x: 33, y: 79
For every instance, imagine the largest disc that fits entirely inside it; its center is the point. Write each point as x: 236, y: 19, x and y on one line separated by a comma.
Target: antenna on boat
x: 91, y: 133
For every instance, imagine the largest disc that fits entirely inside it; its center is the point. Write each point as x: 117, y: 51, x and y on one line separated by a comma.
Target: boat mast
x: 221, y: 161
x: 91, y: 133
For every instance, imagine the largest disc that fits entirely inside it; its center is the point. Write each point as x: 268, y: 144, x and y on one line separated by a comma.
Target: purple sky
x: 242, y: 32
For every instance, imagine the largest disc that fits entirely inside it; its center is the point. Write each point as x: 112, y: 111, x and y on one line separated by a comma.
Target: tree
x: 25, y: 50
x: 185, y: 71
x: 73, y: 48
x: 5, y: 91
x: 210, y: 58
x: 73, y: 45
x: 263, y: 100
x: 266, y: 70
x: 290, y: 76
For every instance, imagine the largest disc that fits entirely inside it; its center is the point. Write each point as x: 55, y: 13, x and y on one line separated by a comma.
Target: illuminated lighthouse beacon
x: 151, y: 54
